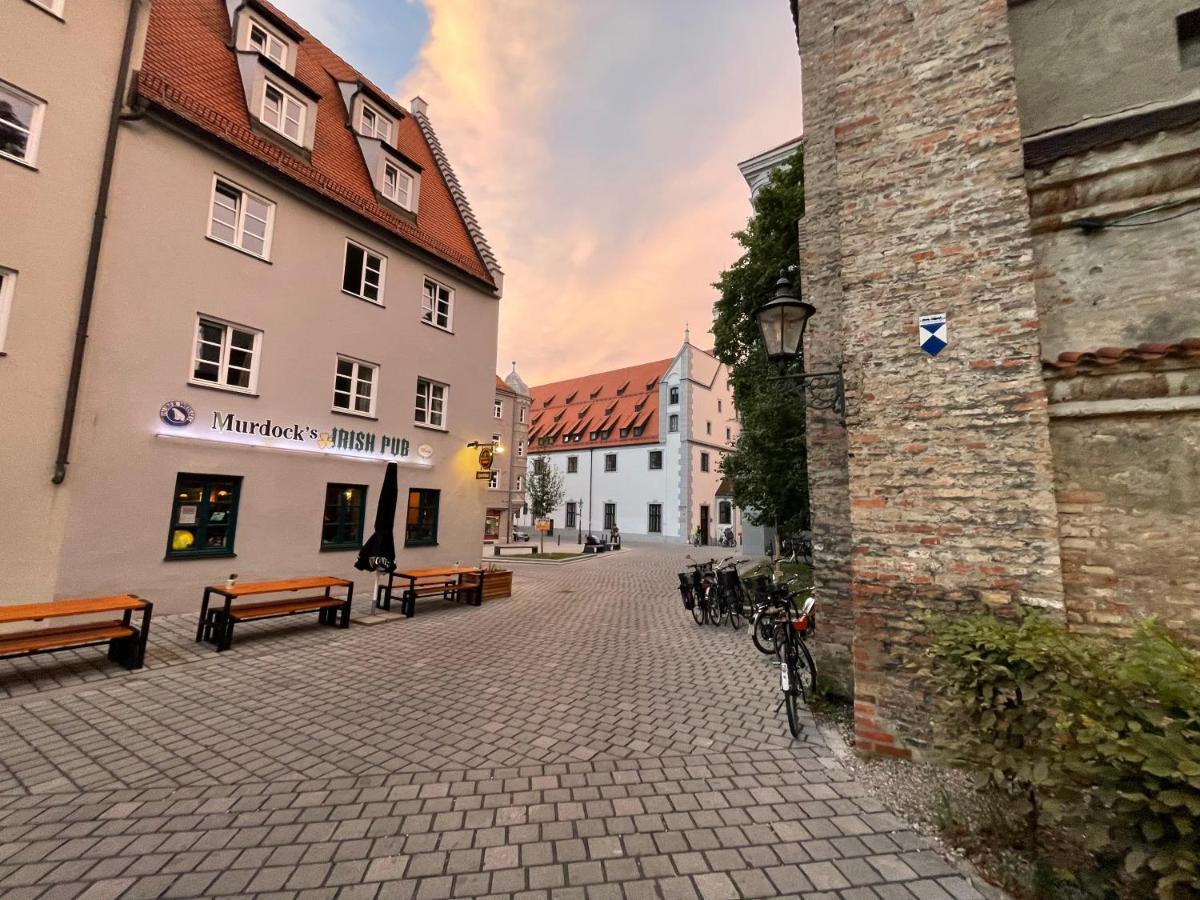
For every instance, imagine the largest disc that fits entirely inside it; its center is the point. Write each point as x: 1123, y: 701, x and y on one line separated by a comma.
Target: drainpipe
x: 93, y: 259
x: 591, y: 465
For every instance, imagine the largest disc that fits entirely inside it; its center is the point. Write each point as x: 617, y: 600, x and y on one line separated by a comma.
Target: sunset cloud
x: 598, y: 144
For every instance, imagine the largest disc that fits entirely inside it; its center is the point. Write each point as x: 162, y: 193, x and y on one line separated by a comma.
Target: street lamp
x: 782, y: 321
x: 579, y: 523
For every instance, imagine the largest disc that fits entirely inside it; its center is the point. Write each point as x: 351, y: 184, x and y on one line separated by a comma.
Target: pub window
x: 674, y: 395
x: 572, y: 465
x: 571, y: 514
x: 610, y: 462
x: 610, y: 516
x: 354, y: 386
x: 1187, y: 29
x: 654, y: 526
x: 226, y: 355
x: 345, y: 509
x: 724, y: 513
x: 431, y: 403
x: 703, y: 462
x: 655, y: 459
x: 203, y: 515
x: 420, y: 528
x: 362, y: 275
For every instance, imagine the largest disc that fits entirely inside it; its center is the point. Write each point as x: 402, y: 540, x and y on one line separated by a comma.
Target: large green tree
x: 768, y: 467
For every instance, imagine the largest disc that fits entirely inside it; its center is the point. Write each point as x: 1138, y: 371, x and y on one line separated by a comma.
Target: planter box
x: 497, y: 584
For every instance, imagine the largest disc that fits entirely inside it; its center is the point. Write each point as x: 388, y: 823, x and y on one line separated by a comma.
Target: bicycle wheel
x: 699, y: 605
x: 806, y: 669
x: 762, y: 632
x: 790, y: 684
x: 716, y: 606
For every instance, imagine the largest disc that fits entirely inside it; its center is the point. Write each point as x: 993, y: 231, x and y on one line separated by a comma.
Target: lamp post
x: 579, y: 523
x: 782, y: 322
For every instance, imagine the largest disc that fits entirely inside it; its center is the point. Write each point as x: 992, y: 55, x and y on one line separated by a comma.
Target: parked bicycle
x: 797, y: 671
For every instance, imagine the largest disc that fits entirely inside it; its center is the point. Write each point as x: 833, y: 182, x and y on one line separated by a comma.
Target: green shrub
x: 1100, y: 737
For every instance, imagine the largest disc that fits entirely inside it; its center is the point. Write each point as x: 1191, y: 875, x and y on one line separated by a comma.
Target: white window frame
x: 362, y: 277
x: 403, y: 178
x: 428, y: 394
x: 222, y: 382
x: 239, y: 226
x: 281, y: 127
x: 673, y: 424
x: 494, y: 479
x: 521, y: 414
x: 613, y: 457
x: 385, y: 133
x: 520, y: 448
x: 8, y: 287
x: 498, y: 409
x: 431, y: 307
x: 273, y: 41
x: 34, y: 132
x: 357, y: 367
x: 520, y: 485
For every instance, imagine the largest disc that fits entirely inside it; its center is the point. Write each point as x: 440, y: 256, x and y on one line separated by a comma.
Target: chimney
x: 418, y: 106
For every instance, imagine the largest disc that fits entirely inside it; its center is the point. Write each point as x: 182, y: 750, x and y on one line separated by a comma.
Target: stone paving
x: 583, y: 739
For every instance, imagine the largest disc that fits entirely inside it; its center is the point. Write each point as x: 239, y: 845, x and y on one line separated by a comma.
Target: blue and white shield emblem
x: 932, y: 333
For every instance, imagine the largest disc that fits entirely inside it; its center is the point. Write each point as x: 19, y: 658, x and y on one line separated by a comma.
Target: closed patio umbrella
x: 378, y: 554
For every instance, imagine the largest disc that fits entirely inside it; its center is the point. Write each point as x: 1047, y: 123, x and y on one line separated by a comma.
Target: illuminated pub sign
x: 227, y: 427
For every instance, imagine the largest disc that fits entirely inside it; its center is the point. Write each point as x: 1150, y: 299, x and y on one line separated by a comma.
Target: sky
x: 598, y: 144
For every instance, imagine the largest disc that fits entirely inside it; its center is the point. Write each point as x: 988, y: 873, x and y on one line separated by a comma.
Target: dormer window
x: 397, y: 185
x: 283, y: 113
x: 373, y: 123
x: 267, y: 44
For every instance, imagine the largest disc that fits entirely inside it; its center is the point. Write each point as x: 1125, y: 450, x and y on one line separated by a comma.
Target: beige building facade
x: 510, y: 430
x: 58, y: 77
x: 292, y: 293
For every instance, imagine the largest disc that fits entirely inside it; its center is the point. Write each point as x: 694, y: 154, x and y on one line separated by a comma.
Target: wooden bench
x: 126, y: 642
x: 448, y: 582
x: 216, y: 622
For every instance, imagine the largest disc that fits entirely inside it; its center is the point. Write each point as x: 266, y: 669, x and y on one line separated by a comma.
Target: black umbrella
x: 378, y: 554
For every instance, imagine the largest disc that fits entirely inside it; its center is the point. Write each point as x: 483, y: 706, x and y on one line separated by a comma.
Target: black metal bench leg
x: 346, y: 606
x: 410, y: 604
x: 144, y: 636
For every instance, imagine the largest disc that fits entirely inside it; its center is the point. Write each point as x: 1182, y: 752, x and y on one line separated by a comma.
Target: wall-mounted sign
x: 485, y: 457
x: 424, y: 451
x: 932, y: 333
x: 229, y: 427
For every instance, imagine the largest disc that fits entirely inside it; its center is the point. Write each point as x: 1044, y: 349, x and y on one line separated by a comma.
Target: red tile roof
x: 501, y: 386
x: 1071, y: 362
x: 190, y: 71
x: 581, y: 406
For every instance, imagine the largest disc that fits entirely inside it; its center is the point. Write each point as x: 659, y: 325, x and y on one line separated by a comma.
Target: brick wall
x: 914, y: 177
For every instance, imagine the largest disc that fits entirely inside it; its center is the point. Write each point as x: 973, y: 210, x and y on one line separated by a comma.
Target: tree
x: 768, y: 468
x: 545, y: 491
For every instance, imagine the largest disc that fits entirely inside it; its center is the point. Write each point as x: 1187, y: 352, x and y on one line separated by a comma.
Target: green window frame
x: 421, y: 518
x: 344, y: 516
x: 204, y: 511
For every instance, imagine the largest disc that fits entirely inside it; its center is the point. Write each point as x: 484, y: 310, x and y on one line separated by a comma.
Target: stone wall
x: 917, y: 187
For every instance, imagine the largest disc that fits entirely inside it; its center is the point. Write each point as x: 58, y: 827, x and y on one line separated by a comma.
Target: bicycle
x: 771, y: 601
x: 702, y: 580
x: 797, y: 671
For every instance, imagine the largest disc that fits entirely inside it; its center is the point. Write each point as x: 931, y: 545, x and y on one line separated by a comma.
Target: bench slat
x: 269, y: 608
x: 28, y: 612
x: 247, y: 589
x: 70, y: 636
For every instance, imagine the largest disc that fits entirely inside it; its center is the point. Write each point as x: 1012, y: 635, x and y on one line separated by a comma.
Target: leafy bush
x: 1099, y: 737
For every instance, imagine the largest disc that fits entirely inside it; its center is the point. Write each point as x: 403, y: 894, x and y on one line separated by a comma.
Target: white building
x: 641, y: 447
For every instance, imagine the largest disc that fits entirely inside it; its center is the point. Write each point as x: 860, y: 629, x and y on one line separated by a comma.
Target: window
x: 521, y: 414
x: 728, y: 434
x: 610, y: 516
x: 437, y: 304
x: 20, y: 124
x: 494, y: 480
x: 267, y: 44
x: 345, y: 510
x: 283, y: 113
x: 673, y: 423
x: 624, y: 432
x: 610, y: 462
x: 203, y: 515
x: 8, y: 285
x: 354, y: 386
x: 718, y: 406
x: 241, y: 219
x: 724, y: 513
x: 431, y: 403
x: 572, y: 465
x: 655, y: 459
x: 708, y: 427
x: 703, y: 462
x: 421, y: 524
x: 1187, y: 29
x: 397, y: 185
x: 226, y: 355
x: 373, y: 123
x: 571, y: 514
x: 654, y: 525
x: 520, y: 448
x: 363, y: 273
x: 674, y: 395
x: 498, y: 409
x: 520, y: 485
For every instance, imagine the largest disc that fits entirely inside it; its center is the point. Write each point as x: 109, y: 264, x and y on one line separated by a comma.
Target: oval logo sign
x: 177, y: 413
x: 425, y: 451
x: 485, y: 457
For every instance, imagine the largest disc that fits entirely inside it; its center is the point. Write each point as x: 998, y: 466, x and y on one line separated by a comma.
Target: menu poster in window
x: 187, y: 515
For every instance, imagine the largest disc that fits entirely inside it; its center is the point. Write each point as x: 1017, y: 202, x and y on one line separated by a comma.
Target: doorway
x: 704, y: 525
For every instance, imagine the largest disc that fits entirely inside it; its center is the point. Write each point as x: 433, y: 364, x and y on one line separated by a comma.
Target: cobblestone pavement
x: 583, y: 739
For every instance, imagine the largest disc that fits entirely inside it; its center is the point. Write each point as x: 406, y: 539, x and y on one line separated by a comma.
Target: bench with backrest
x: 126, y: 641
x: 448, y: 583
x: 217, y: 620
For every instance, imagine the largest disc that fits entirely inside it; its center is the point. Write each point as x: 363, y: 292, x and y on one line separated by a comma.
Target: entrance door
x: 704, y: 525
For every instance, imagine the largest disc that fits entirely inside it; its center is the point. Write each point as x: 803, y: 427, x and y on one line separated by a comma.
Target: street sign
x: 485, y: 457
x: 542, y: 525
x: 482, y: 476
x: 932, y: 333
